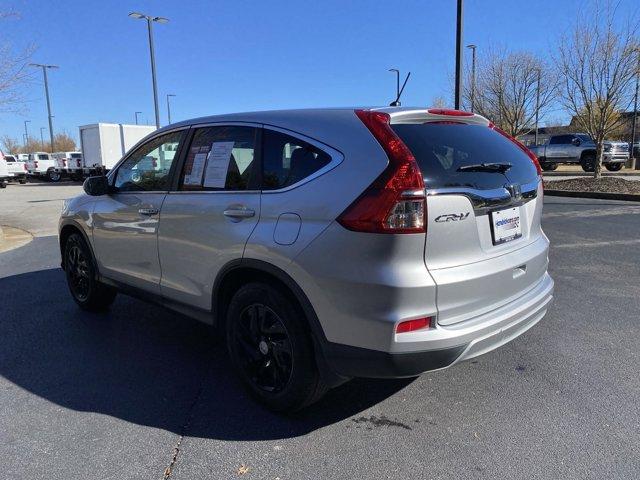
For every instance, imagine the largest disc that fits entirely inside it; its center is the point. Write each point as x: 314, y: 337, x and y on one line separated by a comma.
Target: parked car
x: 323, y: 244
x: 42, y: 164
x: 579, y: 148
x: 17, y: 169
x: 69, y: 164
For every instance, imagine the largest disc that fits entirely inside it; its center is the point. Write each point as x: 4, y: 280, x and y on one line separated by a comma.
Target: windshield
x: 584, y: 137
x: 447, y: 152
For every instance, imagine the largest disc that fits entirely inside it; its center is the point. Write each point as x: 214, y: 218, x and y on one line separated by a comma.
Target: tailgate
x: 484, y: 246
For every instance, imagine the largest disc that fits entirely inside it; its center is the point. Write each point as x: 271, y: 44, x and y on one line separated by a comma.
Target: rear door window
x: 441, y: 149
x: 288, y: 160
x: 561, y: 140
x: 221, y: 158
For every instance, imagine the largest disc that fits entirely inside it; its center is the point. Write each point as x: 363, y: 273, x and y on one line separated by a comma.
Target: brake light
x: 78, y: 162
x: 154, y: 162
x: 25, y: 166
x: 35, y: 164
x: 412, y: 325
x: 449, y: 112
x: 64, y: 162
x: 529, y: 153
x: 395, y: 201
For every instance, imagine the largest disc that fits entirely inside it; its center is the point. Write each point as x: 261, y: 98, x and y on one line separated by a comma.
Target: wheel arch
x: 587, y: 152
x: 239, y: 272
x: 65, y: 232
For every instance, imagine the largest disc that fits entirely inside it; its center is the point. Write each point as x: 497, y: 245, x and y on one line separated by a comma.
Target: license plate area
x: 505, y: 225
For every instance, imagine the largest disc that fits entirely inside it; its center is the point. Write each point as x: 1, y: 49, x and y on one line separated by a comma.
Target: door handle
x: 239, y: 213
x: 148, y: 211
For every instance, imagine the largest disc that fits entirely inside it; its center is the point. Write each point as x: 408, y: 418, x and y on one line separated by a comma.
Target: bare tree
x: 63, y: 142
x: 11, y: 145
x: 506, y: 89
x: 596, y: 62
x: 13, y: 71
x: 439, y: 102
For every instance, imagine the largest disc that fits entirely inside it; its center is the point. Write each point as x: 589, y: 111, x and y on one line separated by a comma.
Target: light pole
x: 46, y: 91
x: 136, y: 114
x: 635, y: 114
x: 459, y: 54
x: 169, y: 106
x: 535, y: 138
x: 150, y: 21
x: 26, y: 132
x: 473, y: 76
x: 41, y: 136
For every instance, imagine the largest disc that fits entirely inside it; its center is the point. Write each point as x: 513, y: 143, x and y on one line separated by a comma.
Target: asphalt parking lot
x: 143, y: 393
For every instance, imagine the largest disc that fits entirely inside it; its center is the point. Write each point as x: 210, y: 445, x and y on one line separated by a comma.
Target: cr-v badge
x: 452, y: 217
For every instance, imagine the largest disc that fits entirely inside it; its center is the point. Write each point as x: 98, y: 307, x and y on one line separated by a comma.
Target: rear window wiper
x: 485, y: 167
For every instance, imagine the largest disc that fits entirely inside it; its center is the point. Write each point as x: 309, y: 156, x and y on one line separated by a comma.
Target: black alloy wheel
x: 262, y: 344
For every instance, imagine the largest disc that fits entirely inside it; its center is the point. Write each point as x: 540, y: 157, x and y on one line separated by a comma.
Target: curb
x: 590, y: 174
x: 629, y: 197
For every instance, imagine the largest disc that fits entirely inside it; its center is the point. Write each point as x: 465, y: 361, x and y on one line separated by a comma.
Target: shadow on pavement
x: 145, y: 365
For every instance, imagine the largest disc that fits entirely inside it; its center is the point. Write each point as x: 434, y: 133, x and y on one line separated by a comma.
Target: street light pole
x: 169, y: 106
x: 26, y: 132
x: 136, y: 114
x: 459, y: 54
x: 473, y: 76
x: 635, y: 114
x: 42, y: 137
x: 150, y: 21
x: 535, y: 140
x: 46, y: 91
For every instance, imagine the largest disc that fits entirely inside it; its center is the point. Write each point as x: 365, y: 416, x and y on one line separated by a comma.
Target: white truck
x: 43, y: 165
x: 70, y: 164
x: 17, y: 168
x: 103, y: 144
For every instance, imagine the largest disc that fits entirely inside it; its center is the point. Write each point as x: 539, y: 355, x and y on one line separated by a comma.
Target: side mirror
x: 96, y: 186
x: 576, y: 141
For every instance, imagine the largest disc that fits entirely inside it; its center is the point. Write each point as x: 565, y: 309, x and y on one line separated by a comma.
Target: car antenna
x: 396, y: 102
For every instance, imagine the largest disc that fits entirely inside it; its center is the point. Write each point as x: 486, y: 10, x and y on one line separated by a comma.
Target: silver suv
x: 323, y: 244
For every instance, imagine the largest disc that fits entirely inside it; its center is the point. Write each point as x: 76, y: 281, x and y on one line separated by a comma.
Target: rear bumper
x: 444, y: 346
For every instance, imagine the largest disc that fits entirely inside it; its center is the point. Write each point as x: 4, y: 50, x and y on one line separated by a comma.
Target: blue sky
x: 237, y: 55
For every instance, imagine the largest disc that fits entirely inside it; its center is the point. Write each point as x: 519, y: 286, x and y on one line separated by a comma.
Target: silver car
x: 323, y: 244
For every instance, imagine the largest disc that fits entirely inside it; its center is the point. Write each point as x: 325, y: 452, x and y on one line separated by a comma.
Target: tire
x: 588, y: 162
x: 79, y: 267
x: 22, y: 181
x: 549, y: 166
x: 270, y: 347
x: 53, y: 176
x: 613, y: 167
x: 3, y: 184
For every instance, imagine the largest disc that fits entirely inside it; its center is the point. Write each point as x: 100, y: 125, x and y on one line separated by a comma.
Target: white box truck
x: 103, y: 144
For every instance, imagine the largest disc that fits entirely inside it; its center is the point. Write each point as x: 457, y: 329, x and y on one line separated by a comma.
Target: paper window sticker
x: 218, y: 164
x: 197, y: 169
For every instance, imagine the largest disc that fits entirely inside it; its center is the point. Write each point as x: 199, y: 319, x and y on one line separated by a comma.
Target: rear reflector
x: 395, y: 201
x: 449, y: 112
x: 411, y: 325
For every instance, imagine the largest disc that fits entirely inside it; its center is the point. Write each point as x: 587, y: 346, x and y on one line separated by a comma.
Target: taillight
x: 78, y: 162
x: 25, y: 166
x: 395, y: 201
x: 411, y: 325
x: 64, y: 163
x: 528, y: 152
x: 154, y: 162
x: 449, y: 112
x: 35, y: 164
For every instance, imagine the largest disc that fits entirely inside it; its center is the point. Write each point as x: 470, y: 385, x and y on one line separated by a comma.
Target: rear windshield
x: 43, y: 157
x: 76, y: 155
x: 442, y: 148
